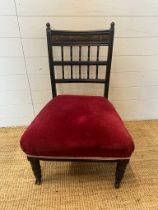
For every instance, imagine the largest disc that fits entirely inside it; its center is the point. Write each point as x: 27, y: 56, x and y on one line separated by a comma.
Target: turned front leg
x: 120, y: 170
x: 36, y: 168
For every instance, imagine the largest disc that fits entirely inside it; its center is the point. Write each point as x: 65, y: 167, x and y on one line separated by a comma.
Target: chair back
x: 80, y: 51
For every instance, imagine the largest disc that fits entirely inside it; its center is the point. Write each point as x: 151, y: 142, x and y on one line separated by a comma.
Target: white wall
x: 24, y: 75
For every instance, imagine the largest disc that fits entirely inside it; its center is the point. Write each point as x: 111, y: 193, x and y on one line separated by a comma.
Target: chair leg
x: 120, y: 170
x: 36, y: 168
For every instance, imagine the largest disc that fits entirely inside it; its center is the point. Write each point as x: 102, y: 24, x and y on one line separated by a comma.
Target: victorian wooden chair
x: 77, y: 127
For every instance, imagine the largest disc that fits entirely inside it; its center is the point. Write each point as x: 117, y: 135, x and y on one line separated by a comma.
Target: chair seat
x: 71, y: 126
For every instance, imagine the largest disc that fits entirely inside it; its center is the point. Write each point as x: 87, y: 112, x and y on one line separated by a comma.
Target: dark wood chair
x: 77, y: 127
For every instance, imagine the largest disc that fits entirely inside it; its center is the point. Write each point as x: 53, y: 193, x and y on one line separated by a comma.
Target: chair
x: 78, y: 127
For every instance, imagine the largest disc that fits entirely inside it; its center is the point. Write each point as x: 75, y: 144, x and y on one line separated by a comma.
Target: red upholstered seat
x: 78, y: 126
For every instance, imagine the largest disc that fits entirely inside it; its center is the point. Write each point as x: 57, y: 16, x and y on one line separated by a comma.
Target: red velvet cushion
x: 78, y: 126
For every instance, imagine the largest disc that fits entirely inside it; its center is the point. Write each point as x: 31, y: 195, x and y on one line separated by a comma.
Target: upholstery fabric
x: 78, y: 126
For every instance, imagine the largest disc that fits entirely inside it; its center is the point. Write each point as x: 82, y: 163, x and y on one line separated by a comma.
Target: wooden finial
x: 112, y: 25
x: 48, y: 25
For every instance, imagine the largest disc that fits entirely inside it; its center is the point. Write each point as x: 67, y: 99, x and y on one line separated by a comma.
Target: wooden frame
x: 120, y: 168
x: 86, y: 38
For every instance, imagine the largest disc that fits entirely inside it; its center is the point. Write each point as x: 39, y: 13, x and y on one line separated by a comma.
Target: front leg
x: 36, y: 168
x: 120, y: 170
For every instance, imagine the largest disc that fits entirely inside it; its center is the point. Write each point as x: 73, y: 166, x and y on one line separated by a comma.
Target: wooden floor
x: 80, y: 186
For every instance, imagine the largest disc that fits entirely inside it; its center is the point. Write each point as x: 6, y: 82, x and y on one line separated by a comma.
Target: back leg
x: 36, y: 168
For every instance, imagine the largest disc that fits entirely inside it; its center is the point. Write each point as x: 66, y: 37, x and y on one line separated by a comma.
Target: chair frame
x: 79, y: 38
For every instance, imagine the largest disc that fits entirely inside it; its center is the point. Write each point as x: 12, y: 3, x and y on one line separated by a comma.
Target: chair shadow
x: 84, y: 172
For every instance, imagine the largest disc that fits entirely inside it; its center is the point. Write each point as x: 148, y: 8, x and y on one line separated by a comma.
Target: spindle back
x: 64, y: 40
